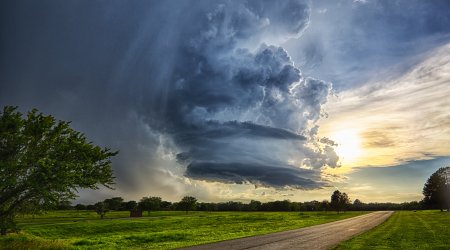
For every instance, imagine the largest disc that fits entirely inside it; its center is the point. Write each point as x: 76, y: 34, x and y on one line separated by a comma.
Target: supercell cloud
x: 205, y: 82
x: 238, y: 109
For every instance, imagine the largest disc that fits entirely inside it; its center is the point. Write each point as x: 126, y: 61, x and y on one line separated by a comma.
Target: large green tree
x: 436, y: 190
x: 43, y: 162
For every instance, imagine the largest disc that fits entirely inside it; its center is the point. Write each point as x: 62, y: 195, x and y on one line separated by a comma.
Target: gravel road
x: 322, y: 236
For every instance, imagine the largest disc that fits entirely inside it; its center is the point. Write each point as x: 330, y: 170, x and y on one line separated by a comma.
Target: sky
x: 240, y: 100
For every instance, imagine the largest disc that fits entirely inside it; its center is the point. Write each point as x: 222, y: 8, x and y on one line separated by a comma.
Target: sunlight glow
x: 349, y: 145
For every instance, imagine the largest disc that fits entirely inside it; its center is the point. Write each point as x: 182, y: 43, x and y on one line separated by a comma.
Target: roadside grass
x: 406, y: 230
x: 161, y: 230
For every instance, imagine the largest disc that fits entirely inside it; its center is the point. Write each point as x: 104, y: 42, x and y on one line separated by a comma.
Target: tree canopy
x: 436, y: 190
x: 114, y: 203
x: 44, y: 162
x: 339, y: 201
x: 101, y: 208
x: 188, y: 203
x: 150, y: 203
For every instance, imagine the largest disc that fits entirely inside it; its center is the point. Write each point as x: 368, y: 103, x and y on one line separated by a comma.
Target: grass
x: 406, y: 230
x: 161, y: 230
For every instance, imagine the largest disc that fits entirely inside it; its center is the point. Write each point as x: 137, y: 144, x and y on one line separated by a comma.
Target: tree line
x: 339, y: 202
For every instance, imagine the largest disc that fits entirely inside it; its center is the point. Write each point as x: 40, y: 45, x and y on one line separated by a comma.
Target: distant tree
x: 284, y: 205
x: 114, y: 203
x: 335, y: 197
x: 43, y: 162
x: 254, y: 205
x: 339, y: 201
x: 150, y: 204
x: 64, y: 205
x: 101, y: 208
x: 436, y: 190
x: 325, y: 205
x: 90, y: 207
x: 130, y: 205
x: 207, y: 206
x: 358, y: 205
x: 188, y: 203
x: 80, y: 207
x: 165, y: 205
x: 175, y: 206
x: 345, y: 202
x: 296, y: 206
x: 233, y: 206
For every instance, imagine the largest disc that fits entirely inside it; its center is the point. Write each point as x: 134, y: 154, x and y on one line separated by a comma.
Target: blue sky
x: 241, y: 99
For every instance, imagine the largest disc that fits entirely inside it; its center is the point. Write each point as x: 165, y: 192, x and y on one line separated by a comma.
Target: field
x: 406, y: 230
x: 161, y: 230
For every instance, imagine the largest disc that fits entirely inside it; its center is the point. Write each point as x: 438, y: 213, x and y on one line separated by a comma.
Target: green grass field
x: 162, y: 230
x: 406, y: 230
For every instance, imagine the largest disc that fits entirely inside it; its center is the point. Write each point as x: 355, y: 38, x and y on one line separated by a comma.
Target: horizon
x: 239, y: 101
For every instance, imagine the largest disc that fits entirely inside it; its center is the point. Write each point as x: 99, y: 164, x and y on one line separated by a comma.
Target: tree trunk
x: 6, y: 221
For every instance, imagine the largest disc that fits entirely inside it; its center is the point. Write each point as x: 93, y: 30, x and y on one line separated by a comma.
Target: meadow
x: 160, y: 230
x: 428, y: 229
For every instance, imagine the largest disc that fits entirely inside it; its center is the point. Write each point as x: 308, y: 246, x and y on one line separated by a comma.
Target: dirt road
x: 316, y: 237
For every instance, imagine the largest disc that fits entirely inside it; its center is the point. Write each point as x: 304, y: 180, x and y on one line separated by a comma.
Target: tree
x: 358, y: 205
x: 436, y: 190
x: 90, y: 207
x: 254, y: 205
x: 165, y: 205
x: 339, y: 201
x: 43, y: 162
x: 325, y: 205
x: 101, y: 208
x: 64, y: 205
x: 345, y: 201
x: 187, y: 203
x: 80, y: 207
x: 130, y: 205
x: 150, y: 203
x: 114, y: 203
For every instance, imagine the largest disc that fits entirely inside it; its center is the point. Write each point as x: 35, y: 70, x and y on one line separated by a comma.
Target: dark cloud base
x: 259, y: 175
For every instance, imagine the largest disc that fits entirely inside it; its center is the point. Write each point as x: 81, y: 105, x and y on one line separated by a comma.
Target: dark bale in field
x: 136, y: 213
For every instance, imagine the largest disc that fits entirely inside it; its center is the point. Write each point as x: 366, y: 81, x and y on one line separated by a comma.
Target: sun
x: 348, y: 145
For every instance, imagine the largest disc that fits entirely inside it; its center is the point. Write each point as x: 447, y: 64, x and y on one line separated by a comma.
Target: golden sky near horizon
x: 389, y: 123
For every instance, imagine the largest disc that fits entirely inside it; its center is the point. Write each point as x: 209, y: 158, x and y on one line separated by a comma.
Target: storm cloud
x: 256, y: 174
x: 204, y: 85
x: 235, y: 109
